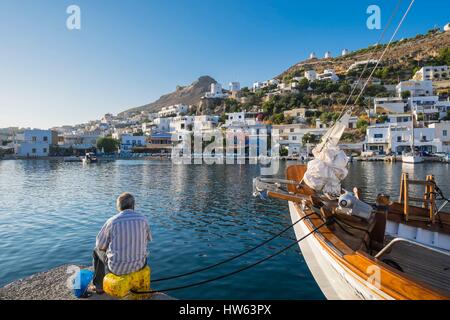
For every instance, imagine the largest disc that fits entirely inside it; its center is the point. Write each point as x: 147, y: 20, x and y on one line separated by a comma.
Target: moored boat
x: 388, y: 251
x: 90, y: 158
x: 356, y: 250
x: 412, y: 158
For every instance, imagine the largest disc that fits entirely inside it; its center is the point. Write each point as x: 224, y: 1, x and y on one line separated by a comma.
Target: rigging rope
x: 238, y: 270
x: 385, y: 50
x: 391, y: 18
x: 234, y: 257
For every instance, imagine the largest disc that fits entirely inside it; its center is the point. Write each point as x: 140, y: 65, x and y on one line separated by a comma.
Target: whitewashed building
x: 205, y: 123
x: 162, y: 124
x: 432, y: 73
x: 36, y: 143
x: 215, y: 91
x: 311, y: 75
x: 442, y: 132
x: 390, y: 104
x: 242, y: 119
x: 328, y: 74
x: 291, y: 137
x: 175, y: 110
x: 128, y: 142
x: 428, y: 105
x: 415, y: 87
x: 387, y: 138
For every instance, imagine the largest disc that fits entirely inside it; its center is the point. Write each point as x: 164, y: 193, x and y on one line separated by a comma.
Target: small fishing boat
x: 90, y: 158
x: 412, y: 158
x: 356, y: 250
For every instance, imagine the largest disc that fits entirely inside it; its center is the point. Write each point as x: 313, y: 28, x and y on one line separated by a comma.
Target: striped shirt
x: 125, y: 237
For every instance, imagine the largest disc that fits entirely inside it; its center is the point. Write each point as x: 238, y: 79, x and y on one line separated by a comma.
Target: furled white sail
x: 329, y: 167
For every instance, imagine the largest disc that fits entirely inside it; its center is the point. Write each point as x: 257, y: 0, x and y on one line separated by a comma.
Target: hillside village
x: 409, y: 90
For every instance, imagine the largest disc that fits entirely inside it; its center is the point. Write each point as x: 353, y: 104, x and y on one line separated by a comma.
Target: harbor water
x: 50, y: 213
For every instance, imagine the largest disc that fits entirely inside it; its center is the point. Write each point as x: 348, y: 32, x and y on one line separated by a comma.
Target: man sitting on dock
x: 121, y: 245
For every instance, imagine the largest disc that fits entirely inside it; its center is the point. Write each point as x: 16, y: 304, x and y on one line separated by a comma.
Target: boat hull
x: 336, y: 281
x: 412, y: 159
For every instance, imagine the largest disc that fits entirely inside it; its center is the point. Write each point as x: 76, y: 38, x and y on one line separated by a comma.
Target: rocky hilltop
x: 189, y: 95
x: 402, y: 58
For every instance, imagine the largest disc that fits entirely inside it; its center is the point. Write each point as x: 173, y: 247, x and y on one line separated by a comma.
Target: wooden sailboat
x: 400, y: 252
x: 388, y: 250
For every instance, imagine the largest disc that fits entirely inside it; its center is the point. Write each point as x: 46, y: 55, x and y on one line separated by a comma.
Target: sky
x: 129, y: 53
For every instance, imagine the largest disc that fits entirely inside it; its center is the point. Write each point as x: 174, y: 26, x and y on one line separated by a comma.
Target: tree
x: 309, y: 138
x: 406, y: 94
x: 362, y: 124
x: 108, y: 144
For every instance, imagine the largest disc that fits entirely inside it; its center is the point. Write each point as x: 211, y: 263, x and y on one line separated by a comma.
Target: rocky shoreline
x: 52, y: 285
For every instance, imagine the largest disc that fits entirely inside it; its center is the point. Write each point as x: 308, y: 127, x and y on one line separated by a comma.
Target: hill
x: 403, y: 58
x: 189, y: 95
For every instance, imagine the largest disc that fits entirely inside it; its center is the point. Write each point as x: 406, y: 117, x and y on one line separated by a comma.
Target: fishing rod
x: 327, y: 222
x: 234, y: 257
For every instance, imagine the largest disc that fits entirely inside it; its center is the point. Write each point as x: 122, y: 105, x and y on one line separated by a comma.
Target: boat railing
x: 390, y: 245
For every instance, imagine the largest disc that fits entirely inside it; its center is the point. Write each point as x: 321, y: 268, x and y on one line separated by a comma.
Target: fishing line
x: 234, y: 257
x: 238, y: 270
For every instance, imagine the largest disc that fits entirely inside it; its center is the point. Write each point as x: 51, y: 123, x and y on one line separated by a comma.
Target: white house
x: 215, y: 91
x: 241, y: 119
x: 312, y: 55
x: 386, y: 138
x: 328, y: 55
x: 432, y: 73
x: 328, y: 74
x: 442, y: 132
x: 36, y: 143
x: 175, y: 110
x: 181, y: 124
x: 428, y: 105
x: 291, y: 137
x: 205, y: 123
x: 162, y: 124
x: 128, y: 142
x: 257, y: 85
x: 390, y: 104
x: 311, y: 75
x: 415, y: 87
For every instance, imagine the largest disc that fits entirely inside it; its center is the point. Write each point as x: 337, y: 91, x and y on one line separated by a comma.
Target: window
x: 44, y: 150
x: 378, y: 135
x: 444, y: 133
x: 45, y: 138
x: 399, y: 139
x: 294, y: 138
x: 33, y: 150
x: 34, y: 139
x: 292, y: 129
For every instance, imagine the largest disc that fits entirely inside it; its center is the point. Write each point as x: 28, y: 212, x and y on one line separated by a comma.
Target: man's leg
x: 100, y: 268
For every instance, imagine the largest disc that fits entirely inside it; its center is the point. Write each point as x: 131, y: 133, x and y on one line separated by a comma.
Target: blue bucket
x: 81, y: 282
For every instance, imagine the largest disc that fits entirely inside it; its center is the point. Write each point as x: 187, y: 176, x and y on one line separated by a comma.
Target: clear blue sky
x: 128, y: 53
